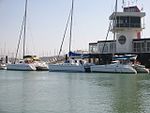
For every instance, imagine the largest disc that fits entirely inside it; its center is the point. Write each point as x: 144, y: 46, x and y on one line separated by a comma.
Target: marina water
x: 48, y: 92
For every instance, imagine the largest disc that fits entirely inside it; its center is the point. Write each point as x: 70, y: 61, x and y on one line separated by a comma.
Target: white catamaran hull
x: 113, y: 68
x: 66, y: 68
x: 21, y: 67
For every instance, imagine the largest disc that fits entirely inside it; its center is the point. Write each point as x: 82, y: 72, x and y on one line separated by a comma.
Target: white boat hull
x: 2, y: 66
x: 140, y: 68
x: 41, y: 66
x: 66, y: 68
x: 113, y: 68
x: 21, y: 67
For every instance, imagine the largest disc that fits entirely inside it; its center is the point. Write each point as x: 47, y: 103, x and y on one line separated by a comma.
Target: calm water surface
x: 46, y: 92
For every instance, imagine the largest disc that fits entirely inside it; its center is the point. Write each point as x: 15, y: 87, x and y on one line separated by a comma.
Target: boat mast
x: 116, y: 6
x: 71, y: 23
x: 115, y: 18
x: 24, y: 35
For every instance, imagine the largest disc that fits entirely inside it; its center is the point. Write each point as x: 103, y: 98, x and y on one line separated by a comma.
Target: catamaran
x: 26, y: 64
x: 119, y: 65
x: 23, y: 65
x: 70, y: 65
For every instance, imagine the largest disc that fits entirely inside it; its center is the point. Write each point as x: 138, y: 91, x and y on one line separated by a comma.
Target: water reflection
x: 126, y: 95
x: 44, y: 92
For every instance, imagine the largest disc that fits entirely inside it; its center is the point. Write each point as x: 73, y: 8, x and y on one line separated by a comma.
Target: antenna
x: 123, y: 3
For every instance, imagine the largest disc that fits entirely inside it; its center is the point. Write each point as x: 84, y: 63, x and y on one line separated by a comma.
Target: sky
x: 46, y: 21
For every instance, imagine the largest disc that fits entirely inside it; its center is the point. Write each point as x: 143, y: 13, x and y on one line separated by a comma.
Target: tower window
x: 125, y: 21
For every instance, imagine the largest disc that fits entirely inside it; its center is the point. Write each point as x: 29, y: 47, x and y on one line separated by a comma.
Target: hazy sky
x: 46, y: 21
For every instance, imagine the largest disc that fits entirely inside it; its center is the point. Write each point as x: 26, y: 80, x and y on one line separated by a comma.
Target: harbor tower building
x: 126, y: 27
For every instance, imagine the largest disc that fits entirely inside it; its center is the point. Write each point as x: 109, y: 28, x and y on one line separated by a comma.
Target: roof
x: 131, y: 9
x: 106, y: 41
x: 131, y: 14
x: 94, y: 43
x: 103, y: 41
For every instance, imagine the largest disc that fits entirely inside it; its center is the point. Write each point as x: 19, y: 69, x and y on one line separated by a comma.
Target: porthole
x: 122, y: 39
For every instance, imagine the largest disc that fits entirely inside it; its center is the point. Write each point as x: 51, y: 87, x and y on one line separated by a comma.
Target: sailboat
x: 120, y: 64
x: 26, y: 64
x: 69, y: 65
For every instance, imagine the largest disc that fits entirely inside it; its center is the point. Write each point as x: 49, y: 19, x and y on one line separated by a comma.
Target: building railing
x: 141, y: 50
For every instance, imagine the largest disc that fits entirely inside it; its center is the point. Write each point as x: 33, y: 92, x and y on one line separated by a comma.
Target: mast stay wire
x: 19, y: 41
x: 64, y: 35
x: 106, y: 37
x: 114, y: 22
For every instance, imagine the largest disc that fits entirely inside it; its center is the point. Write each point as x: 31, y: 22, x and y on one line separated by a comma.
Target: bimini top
x: 125, y: 57
x: 80, y: 55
